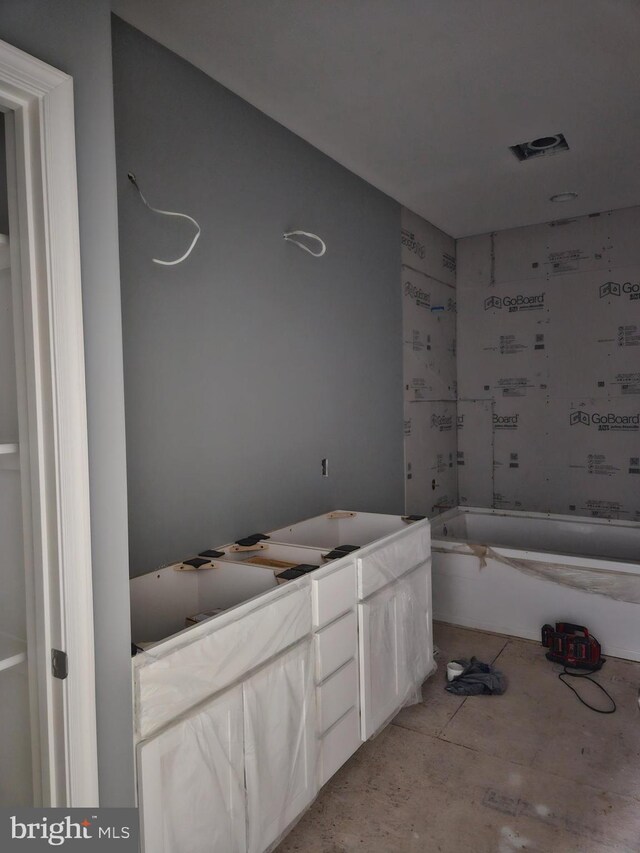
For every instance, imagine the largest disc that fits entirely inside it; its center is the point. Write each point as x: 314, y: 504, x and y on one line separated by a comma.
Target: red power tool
x: 572, y: 646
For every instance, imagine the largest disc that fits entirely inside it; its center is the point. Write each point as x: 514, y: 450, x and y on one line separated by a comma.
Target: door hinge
x: 59, y: 664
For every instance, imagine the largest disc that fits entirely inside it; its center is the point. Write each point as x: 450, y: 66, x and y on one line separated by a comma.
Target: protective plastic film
x: 417, y: 638
x: 386, y: 563
x: 235, y: 722
x: 621, y: 585
x: 234, y: 774
x: 192, y: 797
x: 396, y: 642
x: 177, y: 674
x: 413, y: 607
x: 280, y: 746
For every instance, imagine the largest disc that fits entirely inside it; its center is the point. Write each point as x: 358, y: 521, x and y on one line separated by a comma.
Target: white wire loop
x: 290, y: 235
x: 182, y: 258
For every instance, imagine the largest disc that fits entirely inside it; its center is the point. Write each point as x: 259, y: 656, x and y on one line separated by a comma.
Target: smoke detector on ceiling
x: 540, y: 147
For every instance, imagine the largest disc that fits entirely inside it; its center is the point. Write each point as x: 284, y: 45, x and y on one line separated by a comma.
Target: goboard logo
x: 442, y: 422
x: 409, y: 241
x: 448, y: 262
x: 505, y: 421
x: 577, y: 417
x: 606, y: 420
x: 520, y: 302
x: 609, y: 288
x: 420, y: 296
x: 614, y: 288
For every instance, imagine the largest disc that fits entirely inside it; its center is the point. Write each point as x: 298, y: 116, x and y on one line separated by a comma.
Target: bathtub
x: 512, y: 572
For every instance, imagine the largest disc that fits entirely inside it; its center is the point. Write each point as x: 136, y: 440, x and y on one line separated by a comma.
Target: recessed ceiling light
x: 563, y: 197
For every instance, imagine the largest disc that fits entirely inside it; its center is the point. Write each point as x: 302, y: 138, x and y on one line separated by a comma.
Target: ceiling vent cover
x: 540, y: 147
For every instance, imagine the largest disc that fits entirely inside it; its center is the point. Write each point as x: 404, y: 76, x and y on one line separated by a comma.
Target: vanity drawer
x: 339, y: 744
x: 333, y: 593
x: 381, y: 566
x: 337, y: 695
x: 336, y: 644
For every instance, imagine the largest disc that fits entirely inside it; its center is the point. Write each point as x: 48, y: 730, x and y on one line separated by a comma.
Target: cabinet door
x: 396, y: 647
x: 280, y: 744
x: 416, y: 641
x: 191, y: 782
x: 382, y: 676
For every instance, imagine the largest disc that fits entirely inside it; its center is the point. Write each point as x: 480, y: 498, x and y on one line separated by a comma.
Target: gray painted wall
x: 75, y: 36
x: 251, y: 361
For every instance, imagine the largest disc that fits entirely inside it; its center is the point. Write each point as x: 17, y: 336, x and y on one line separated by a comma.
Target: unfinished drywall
x: 250, y: 362
x: 549, y: 367
x: 429, y: 344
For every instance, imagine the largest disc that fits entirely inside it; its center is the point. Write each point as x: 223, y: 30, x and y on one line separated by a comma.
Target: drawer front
x: 380, y: 566
x: 339, y: 744
x: 333, y: 594
x: 337, y: 695
x: 214, y: 655
x: 335, y: 645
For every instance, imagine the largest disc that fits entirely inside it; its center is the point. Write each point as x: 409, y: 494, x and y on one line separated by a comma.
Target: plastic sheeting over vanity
x: 243, y: 715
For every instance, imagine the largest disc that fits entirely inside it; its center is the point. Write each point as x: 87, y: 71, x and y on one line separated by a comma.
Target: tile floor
x: 530, y: 770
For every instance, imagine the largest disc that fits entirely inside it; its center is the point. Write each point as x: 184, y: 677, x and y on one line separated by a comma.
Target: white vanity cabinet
x: 240, y: 718
x: 396, y: 649
x: 335, y: 625
x: 207, y: 747
x: 280, y: 745
x: 335, y: 638
x: 233, y: 775
x: 382, y: 678
x: 340, y: 527
x: 418, y: 615
x: 393, y: 575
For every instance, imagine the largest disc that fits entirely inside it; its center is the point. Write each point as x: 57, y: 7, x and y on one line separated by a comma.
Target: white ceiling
x: 423, y: 98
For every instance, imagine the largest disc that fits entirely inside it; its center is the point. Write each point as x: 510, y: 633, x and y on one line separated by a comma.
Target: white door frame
x: 45, y: 264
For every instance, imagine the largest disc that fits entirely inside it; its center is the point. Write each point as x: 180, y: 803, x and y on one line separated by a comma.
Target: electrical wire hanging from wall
x: 182, y: 258
x: 290, y: 236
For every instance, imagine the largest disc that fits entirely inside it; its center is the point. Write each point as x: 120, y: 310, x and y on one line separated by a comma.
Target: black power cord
x: 587, y: 675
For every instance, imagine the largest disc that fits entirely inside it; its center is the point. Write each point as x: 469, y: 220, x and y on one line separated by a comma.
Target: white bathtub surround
x: 511, y: 572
